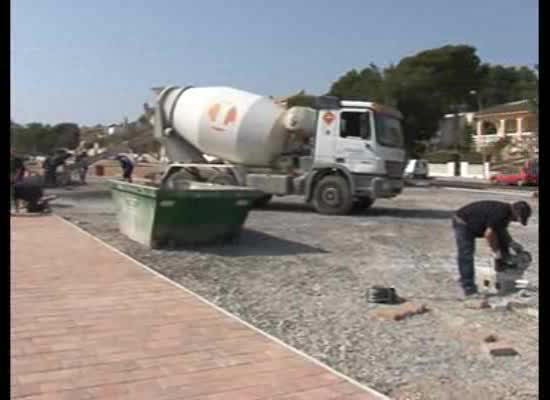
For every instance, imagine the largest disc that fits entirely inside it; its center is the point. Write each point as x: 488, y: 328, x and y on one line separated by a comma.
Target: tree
x: 38, y: 138
x: 301, y: 100
x: 506, y: 84
x: 467, y: 138
x: 67, y: 135
x: 432, y: 83
x: 423, y: 87
x: 365, y: 85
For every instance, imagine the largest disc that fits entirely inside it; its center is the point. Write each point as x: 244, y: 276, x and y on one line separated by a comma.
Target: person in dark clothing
x: 50, y: 177
x: 17, y: 168
x: 31, y: 192
x: 488, y: 219
x: 82, y: 162
x: 127, y: 167
x: 51, y: 164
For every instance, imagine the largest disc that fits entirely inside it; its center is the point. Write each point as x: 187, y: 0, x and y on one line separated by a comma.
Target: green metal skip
x: 203, y: 213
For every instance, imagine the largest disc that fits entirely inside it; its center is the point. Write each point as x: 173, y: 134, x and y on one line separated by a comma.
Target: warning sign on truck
x: 328, y: 117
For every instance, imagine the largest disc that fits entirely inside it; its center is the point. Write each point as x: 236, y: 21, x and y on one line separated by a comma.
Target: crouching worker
x: 127, y: 167
x: 488, y: 219
x: 30, y: 194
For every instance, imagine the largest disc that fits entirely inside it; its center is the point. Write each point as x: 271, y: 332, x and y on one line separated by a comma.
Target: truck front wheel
x: 332, y: 196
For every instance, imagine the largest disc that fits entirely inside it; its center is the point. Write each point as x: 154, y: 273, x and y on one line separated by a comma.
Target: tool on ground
x: 384, y: 295
x: 504, y: 280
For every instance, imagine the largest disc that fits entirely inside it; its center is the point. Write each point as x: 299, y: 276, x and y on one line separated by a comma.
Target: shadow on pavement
x: 375, y: 211
x: 255, y: 243
x: 408, y: 213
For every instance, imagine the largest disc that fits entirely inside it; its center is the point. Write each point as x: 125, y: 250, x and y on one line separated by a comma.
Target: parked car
x: 528, y: 174
x: 417, y: 169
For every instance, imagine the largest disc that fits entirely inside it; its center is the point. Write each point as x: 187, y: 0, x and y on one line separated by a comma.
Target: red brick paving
x: 89, y: 323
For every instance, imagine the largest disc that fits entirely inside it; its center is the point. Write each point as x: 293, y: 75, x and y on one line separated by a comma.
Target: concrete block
x: 399, y: 312
x: 498, y: 349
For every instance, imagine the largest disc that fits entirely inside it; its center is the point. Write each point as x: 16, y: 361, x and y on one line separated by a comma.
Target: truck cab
x: 362, y: 144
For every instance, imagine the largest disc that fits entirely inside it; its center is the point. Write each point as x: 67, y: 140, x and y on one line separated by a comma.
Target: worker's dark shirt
x: 17, y: 164
x: 481, y: 215
x: 29, y: 190
x: 125, y: 163
x: 82, y: 161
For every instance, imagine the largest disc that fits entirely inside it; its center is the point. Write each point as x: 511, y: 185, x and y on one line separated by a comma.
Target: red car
x: 527, y: 175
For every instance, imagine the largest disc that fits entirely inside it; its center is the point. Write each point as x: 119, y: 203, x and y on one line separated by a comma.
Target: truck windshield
x: 388, y: 131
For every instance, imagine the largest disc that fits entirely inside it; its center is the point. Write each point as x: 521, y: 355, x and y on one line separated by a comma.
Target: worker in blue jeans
x: 488, y: 219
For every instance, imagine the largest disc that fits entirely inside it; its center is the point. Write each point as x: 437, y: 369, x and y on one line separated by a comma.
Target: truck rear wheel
x: 332, y: 196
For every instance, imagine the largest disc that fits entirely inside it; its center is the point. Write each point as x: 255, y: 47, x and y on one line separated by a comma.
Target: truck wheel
x: 362, y: 204
x: 332, y: 196
x: 263, y: 201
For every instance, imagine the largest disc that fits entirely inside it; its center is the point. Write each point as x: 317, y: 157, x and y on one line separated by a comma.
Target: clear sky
x: 95, y: 61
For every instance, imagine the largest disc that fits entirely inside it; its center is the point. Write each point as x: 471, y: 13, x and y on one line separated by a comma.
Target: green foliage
x: 506, y: 84
x: 419, y: 150
x: 67, y: 134
x: 367, y: 84
x: 467, y: 138
x: 37, y: 138
x: 301, y: 100
x: 435, y: 82
x: 423, y: 87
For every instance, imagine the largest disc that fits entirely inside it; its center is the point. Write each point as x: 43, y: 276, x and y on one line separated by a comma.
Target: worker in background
x: 82, y: 165
x: 29, y: 193
x: 488, y: 219
x: 127, y: 167
x: 17, y: 168
x: 51, y: 164
x: 46, y: 166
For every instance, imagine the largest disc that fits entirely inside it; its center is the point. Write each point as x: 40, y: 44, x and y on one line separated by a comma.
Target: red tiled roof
x: 513, y: 107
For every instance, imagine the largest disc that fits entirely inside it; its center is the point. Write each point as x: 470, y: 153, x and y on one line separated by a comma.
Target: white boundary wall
x: 467, y: 170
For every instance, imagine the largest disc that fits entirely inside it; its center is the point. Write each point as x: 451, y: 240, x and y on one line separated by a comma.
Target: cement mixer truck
x: 339, y: 155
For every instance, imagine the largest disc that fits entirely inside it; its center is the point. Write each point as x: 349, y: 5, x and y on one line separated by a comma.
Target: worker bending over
x: 127, y: 167
x: 30, y: 193
x: 488, y: 219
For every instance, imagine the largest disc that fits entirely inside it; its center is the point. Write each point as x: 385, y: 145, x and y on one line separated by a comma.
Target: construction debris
x: 493, y: 346
x: 477, y: 304
x: 498, y: 349
x: 400, y: 312
x: 384, y: 295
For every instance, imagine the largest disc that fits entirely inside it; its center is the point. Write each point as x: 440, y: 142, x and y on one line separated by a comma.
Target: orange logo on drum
x: 222, y: 116
x: 328, y: 117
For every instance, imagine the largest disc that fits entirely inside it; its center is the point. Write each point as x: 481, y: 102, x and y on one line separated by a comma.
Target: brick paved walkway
x: 89, y: 323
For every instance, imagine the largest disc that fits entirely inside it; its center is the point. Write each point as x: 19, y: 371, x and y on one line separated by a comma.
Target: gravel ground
x: 302, y: 277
